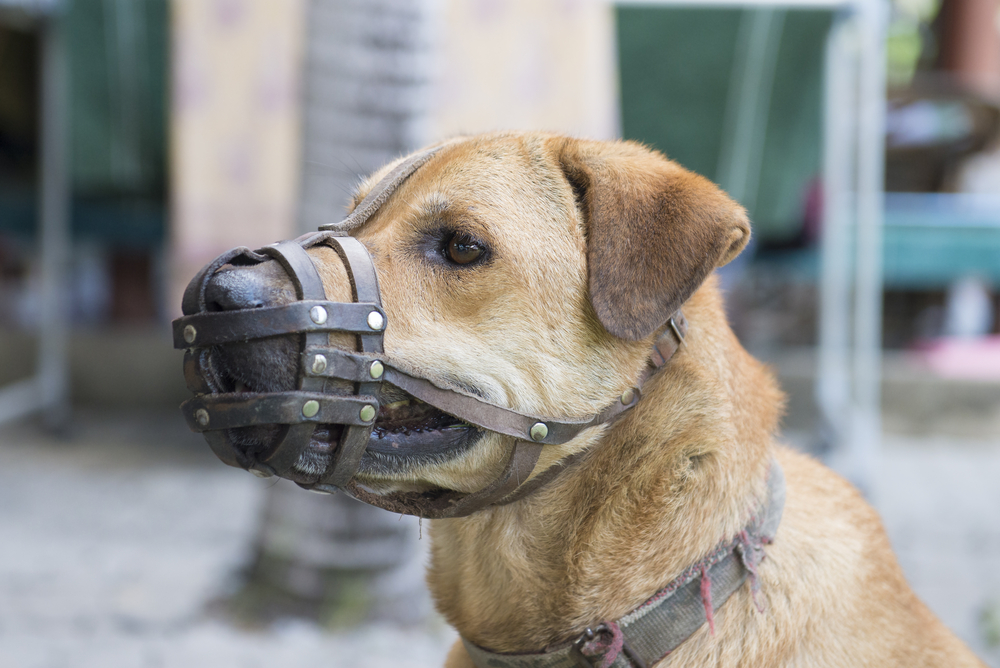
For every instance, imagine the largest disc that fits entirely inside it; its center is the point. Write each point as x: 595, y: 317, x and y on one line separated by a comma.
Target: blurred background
x: 140, y: 138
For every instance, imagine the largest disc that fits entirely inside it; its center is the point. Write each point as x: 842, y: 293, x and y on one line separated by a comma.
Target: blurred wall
x: 526, y: 64
x: 448, y: 66
x: 235, y: 127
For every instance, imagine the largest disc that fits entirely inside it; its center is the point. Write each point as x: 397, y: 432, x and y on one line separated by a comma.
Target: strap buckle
x: 587, y: 636
x: 605, y: 642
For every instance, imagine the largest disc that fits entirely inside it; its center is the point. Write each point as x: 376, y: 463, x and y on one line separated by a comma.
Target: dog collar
x: 669, y: 617
x: 214, y: 411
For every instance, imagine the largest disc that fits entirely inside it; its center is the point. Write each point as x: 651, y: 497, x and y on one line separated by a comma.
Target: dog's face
x: 529, y: 270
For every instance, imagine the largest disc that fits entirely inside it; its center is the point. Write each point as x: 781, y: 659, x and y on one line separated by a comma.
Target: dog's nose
x: 256, y: 286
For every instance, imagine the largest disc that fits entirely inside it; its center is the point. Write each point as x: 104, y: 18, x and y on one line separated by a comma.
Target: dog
x: 535, y: 271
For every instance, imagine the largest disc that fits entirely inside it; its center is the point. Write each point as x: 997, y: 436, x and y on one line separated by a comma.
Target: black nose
x: 256, y: 286
x: 260, y: 365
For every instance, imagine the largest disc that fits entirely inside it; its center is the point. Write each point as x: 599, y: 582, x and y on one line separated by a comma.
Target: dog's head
x: 529, y: 270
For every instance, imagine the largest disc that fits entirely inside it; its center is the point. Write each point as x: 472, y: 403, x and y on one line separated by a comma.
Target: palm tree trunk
x: 364, y: 87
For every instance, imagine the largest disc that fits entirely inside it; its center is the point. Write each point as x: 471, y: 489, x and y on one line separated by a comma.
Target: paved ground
x: 113, y: 543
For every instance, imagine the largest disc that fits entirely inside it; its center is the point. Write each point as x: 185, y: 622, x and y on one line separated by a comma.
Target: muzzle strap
x: 380, y: 194
x: 364, y: 283
x: 518, y: 467
x: 298, y: 434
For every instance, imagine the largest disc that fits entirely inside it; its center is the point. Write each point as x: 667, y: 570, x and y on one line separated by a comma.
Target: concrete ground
x: 114, y: 543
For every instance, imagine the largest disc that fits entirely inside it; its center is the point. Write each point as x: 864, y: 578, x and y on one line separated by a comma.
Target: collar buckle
x: 604, y: 643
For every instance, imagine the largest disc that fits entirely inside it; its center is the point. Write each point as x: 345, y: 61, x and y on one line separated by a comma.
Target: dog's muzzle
x: 295, y: 414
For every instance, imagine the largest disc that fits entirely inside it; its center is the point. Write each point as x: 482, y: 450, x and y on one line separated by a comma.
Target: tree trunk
x: 365, y: 81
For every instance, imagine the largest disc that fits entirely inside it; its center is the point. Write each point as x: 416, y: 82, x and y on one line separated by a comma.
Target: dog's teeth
x: 241, y: 386
x: 397, y: 404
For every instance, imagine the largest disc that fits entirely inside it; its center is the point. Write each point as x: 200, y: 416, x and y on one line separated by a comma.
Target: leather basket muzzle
x: 214, y: 412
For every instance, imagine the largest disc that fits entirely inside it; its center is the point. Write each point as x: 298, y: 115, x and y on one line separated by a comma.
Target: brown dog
x: 535, y: 271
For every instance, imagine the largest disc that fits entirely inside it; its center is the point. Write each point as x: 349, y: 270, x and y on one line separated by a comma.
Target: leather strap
x: 364, y: 284
x: 296, y: 437
x: 241, y: 409
x: 477, y: 411
x: 380, y: 194
x: 442, y: 504
x: 212, y: 329
x: 668, y: 618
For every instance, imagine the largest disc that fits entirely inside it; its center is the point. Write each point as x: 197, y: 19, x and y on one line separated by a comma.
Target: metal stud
x: 628, y: 395
x: 318, y: 314
x: 319, y: 364
x: 190, y: 333
x: 376, y: 369
x: 539, y: 431
x: 201, y: 417
x: 375, y: 320
x: 310, y: 408
x: 367, y: 413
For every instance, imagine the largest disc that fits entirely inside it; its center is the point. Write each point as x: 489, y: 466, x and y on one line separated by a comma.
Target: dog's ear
x: 654, y: 231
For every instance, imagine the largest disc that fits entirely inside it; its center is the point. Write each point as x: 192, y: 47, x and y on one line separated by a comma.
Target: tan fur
x: 666, y: 483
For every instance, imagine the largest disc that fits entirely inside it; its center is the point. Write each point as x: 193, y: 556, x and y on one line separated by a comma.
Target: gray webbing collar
x: 658, y: 626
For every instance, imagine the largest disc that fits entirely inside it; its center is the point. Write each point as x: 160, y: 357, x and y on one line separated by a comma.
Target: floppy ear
x: 654, y: 231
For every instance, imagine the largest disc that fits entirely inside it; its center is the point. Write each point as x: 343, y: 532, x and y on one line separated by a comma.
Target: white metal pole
x: 47, y: 391
x: 866, y: 441
x: 833, y: 373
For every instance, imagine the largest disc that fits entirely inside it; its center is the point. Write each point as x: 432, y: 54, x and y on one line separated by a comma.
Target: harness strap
x: 364, y: 283
x: 514, y: 482
x: 668, y: 618
x: 297, y: 435
x: 446, y: 504
x: 382, y: 191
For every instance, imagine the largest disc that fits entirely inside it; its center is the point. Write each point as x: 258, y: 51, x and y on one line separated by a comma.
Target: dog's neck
x: 652, y: 497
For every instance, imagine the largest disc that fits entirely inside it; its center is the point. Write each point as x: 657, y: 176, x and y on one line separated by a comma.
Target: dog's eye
x: 463, y: 249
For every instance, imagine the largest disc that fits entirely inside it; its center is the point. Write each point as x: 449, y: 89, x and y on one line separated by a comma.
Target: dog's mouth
x: 407, y: 432
x: 406, y: 426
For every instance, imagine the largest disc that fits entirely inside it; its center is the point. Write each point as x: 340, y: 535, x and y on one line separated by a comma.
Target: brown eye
x: 463, y: 250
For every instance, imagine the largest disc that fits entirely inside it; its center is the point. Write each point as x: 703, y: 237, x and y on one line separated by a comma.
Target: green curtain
x: 118, y: 66
x: 676, y: 67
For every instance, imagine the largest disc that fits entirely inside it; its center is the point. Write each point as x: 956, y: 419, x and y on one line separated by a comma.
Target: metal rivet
x: 628, y: 395
x: 318, y: 314
x: 319, y: 364
x: 376, y: 369
x: 201, y: 417
x: 190, y: 333
x: 375, y: 320
x: 367, y: 413
x: 539, y: 431
x: 310, y: 408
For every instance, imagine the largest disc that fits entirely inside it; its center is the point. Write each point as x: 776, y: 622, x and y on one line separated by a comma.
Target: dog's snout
x: 260, y: 365
x: 233, y: 288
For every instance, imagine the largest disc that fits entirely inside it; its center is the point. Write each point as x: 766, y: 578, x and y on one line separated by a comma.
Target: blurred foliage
x: 910, y: 38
